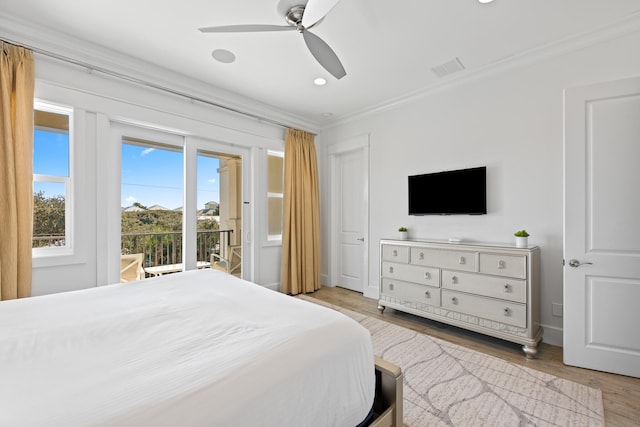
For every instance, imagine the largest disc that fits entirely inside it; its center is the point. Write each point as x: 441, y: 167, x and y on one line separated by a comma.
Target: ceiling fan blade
x: 246, y: 28
x: 324, y: 55
x: 315, y: 10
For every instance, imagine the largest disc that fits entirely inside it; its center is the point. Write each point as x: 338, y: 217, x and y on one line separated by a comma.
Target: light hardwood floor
x: 621, y: 395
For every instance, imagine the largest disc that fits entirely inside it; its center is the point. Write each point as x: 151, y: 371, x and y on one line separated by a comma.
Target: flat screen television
x: 453, y: 192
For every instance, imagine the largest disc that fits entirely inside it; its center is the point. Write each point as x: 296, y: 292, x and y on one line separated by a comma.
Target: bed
x: 199, y: 348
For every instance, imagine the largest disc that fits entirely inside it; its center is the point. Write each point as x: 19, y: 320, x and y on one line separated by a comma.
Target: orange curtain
x: 16, y: 166
x: 301, y: 234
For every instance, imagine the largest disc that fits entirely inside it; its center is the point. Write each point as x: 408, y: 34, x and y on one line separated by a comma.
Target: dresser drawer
x: 457, y: 260
x: 504, y: 265
x: 411, y: 273
x: 410, y: 292
x: 491, y: 286
x: 511, y: 313
x: 395, y: 253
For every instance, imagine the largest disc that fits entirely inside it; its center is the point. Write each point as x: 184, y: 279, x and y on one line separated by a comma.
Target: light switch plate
x: 556, y: 309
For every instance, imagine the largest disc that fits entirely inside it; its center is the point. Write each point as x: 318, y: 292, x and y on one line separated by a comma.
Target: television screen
x: 453, y: 192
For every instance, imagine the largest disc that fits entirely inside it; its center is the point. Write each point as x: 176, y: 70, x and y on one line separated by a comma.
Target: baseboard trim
x: 553, y: 335
x: 272, y: 286
x: 324, y: 280
x: 372, y: 292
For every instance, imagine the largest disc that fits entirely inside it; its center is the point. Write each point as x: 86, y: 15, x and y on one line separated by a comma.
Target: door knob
x: 575, y: 263
x: 361, y: 239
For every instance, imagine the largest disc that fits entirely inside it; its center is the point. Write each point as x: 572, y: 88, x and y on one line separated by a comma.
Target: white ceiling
x: 388, y: 48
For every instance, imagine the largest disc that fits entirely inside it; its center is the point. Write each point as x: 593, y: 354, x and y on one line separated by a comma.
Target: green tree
x: 151, y: 221
x: 48, y: 217
x: 208, y: 224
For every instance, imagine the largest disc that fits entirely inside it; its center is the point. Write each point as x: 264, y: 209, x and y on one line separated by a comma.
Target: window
x: 275, y: 194
x: 51, y: 178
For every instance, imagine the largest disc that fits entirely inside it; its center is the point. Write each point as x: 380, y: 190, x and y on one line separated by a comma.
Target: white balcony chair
x: 232, y: 263
x: 131, y: 267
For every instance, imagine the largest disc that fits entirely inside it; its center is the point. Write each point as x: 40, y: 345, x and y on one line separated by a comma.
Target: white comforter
x: 199, y: 348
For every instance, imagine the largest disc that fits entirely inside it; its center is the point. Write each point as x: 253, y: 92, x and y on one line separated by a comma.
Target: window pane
x: 275, y: 169
x: 49, y: 214
x: 152, y: 196
x: 275, y: 190
x: 208, y: 202
x: 51, y: 144
x: 151, y: 177
x: 275, y: 216
x: 208, y: 197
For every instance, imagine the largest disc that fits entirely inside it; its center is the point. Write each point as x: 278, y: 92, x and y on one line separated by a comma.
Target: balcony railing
x: 165, y: 248
x: 55, y: 240
x: 160, y: 248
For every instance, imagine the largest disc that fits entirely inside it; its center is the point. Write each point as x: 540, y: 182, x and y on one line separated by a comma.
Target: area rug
x: 449, y: 385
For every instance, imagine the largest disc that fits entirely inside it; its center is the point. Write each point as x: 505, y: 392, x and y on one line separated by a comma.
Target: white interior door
x: 349, y: 177
x: 602, y: 237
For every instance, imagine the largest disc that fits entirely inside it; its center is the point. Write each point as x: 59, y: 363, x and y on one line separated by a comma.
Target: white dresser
x: 490, y: 289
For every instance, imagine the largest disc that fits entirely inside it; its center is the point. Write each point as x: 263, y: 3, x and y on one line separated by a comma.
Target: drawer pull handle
x: 501, y: 264
x: 454, y: 279
x: 427, y: 294
x: 454, y: 300
x: 462, y: 260
x: 507, y: 312
x: 507, y: 288
x: 390, y: 269
x: 390, y: 286
x: 427, y: 275
x: 395, y: 252
x: 421, y: 256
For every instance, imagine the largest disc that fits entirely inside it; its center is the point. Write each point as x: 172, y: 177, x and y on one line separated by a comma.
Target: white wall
x: 511, y: 121
x: 101, y: 101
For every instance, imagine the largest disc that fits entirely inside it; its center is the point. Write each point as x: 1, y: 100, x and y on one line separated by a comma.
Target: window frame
x: 59, y: 255
x: 273, y: 239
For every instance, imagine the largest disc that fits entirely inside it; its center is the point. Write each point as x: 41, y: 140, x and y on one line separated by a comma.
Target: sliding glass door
x: 179, y: 204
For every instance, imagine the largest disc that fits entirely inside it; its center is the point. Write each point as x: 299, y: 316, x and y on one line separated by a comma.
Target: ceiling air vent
x: 448, y: 67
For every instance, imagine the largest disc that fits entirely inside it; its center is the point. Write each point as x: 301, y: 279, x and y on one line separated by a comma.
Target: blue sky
x: 50, y: 157
x: 154, y: 176
x: 150, y: 176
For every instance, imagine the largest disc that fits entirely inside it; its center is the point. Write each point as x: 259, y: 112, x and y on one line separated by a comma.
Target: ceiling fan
x: 302, y: 19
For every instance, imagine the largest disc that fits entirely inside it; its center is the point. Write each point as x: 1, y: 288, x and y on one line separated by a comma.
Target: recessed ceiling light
x: 223, y: 55
x: 485, y: 1
x: 320, y: 81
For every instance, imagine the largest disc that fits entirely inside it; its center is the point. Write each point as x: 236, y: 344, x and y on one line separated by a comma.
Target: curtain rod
x: 142, y: 82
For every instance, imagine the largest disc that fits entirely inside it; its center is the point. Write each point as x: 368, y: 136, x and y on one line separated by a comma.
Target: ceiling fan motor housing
x: 294, y: 16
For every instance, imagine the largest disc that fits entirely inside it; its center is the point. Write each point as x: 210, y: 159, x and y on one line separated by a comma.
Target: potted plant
x: 522, y: 240
x: 403, y: 233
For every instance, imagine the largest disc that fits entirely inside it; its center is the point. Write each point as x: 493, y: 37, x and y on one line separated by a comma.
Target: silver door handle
x: 575, y: 263
x: 361, y: 239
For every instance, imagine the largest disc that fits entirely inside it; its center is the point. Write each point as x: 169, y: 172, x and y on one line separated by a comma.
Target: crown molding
x: 99, y: 59
x: 617, y: 29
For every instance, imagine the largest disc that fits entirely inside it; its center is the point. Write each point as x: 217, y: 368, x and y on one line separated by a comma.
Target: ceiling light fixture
x: 485, y: 1
x: 223, y: 55
x: 320, y: 81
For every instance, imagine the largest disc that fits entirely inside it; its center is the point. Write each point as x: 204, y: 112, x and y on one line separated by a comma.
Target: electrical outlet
x: 556, y: 309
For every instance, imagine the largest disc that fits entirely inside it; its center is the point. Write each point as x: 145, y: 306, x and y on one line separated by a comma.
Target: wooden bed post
x: 390, y: 378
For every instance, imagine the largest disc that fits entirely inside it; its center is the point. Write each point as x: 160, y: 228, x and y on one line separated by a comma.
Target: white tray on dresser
x: 491, y: 289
